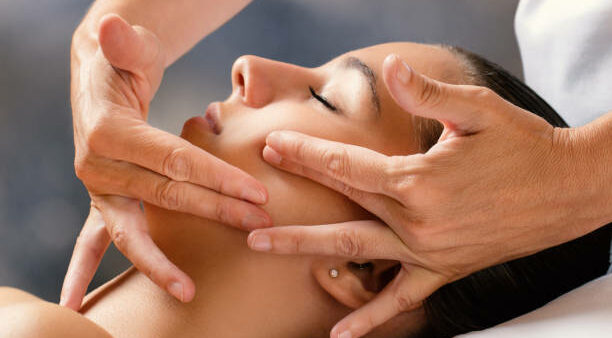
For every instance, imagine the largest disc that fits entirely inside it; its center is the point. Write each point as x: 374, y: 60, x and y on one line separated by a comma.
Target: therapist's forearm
x: 178, y: 24
x: 593, y: 170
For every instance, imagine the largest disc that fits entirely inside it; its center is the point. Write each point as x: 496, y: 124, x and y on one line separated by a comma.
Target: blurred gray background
x: 42, y: 203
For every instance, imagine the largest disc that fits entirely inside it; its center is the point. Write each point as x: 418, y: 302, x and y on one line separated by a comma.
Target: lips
x: 212, y: 117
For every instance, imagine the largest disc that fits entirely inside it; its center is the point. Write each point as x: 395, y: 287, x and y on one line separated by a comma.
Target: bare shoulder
x: 25, y: 315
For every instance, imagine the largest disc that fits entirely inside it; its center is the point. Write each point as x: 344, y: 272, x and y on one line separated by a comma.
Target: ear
x: 357, y: 281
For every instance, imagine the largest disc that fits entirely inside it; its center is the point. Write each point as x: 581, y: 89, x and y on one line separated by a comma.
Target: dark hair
x: 502, y: 292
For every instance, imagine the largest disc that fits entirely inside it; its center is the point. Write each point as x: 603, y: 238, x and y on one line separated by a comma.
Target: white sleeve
x: 566, y: 48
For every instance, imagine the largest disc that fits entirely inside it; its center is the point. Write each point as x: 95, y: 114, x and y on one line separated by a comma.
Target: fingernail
x: 403, y: 72
x: 275, y: 138
x: 345, y: 334
x: 261, y: 242
x: 251, y: 222
x: 271, y: 155
x: 176, y: 289
x: 254, y: 195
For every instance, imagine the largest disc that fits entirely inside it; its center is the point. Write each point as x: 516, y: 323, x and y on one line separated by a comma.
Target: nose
x: 260, y: 81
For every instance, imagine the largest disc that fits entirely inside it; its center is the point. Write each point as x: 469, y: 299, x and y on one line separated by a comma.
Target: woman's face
x: 344, y: 100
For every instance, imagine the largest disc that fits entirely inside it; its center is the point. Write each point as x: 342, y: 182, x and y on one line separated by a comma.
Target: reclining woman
x: 242, y: 293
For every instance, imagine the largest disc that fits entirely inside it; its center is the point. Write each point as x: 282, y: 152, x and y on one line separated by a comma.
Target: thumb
x: 458, y: 107
x: 129, y: 48
x: 405, y: 292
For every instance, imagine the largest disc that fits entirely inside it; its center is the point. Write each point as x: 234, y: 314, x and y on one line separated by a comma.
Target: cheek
x: 293, y: 199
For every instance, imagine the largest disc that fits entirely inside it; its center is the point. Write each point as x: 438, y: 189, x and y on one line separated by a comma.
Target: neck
x: 239, y: 293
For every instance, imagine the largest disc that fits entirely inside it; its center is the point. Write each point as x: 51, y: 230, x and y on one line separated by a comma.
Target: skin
x: 244, y: 291
x: 115, y: 72
x: 458, y: 208
x: 446, y: 242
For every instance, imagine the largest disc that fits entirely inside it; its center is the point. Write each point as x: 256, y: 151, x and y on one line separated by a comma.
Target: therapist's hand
x: 122, y: 161
x: 499, y: 184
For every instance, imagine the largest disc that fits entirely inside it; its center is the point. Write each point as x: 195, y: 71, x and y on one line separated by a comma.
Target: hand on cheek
x: 462, y: 206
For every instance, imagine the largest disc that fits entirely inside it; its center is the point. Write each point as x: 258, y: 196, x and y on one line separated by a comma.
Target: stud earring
x: 333, y: 273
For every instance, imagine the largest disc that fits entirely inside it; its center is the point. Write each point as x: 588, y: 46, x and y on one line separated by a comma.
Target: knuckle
x: 81, y: 168
x: 176, y: 164
x: 397, y: 177
x: 337, y: 163
x: 370, y: 322
x: 297, y: 243
x: 347, y: 243
x: 119, y: 236
x: 346, y: 190
x: 418, y: 236
x: 215, y: 181
x: 483, y: 95
x: 406, y: 186
x: 153, y: 272
x: 430, y: 94
x: 97, y: 137
x: 403, y: 301
x: 169, y: 194
x: 149, y: 272
x: 300, y: 149
x: 222, y: 210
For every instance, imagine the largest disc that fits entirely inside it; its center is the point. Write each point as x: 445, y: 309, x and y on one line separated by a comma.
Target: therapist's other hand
x: 498, y: 185
x: 122, y: 161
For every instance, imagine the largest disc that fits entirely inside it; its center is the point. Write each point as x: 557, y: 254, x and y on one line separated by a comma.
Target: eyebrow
x: 352, y: 62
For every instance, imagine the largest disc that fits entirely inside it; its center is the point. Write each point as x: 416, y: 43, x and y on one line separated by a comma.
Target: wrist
x: 588, y: 152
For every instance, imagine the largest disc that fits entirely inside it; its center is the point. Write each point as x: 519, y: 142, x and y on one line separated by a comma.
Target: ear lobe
x: 346, y: 288
x: 352, y: 287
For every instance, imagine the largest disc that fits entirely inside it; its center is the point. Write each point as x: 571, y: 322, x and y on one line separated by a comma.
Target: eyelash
x: 322, y: 100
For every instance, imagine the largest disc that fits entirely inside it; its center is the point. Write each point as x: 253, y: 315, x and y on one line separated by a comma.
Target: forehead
x: 433, y: 61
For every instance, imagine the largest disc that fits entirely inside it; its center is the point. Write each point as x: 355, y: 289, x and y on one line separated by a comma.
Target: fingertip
x: 256, y: 221
x: 277, y: 138
x: 70, y: 303
x: 259, y: 241
x: 340, y: 331
x: 402, y: 71
x: 111, y: 26
x: 390, y: 62
x: 110, y: 17
x: 183, y: 290
x: 271, y: 155
x: 189, y: 291
x: 255, y: 194
x: 117, y: 40
x: 274, y: 139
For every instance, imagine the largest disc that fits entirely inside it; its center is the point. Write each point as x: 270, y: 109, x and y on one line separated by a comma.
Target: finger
x: 126, y: 225
x: 193, y: 199
x: 380, y: 205
x: 128, y: 180
x: 176, y: 159
x: 90, y: 247
x: 406, y: 292
x: 356, y: 239
x: 124, y: 46
x: 458, y: 107
x: 355, y: 166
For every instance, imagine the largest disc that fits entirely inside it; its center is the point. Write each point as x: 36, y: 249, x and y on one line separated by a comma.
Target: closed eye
x: 322, y: 100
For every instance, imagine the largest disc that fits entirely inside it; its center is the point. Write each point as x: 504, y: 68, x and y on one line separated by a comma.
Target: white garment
x: 566, y: 47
